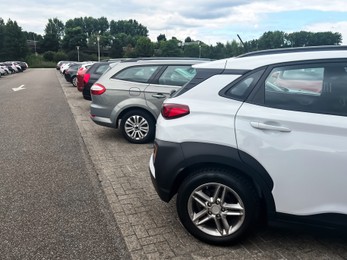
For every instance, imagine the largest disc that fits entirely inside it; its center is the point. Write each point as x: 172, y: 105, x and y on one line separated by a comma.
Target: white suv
x: 263, y: 134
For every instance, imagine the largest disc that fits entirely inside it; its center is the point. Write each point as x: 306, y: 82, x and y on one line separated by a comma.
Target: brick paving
x: 151, y: 227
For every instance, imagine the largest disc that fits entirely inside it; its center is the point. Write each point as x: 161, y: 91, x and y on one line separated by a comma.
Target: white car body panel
x: 307, y: 164
x: 193, y: 128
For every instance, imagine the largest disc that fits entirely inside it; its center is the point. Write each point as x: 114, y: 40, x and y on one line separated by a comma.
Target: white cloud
x: 207, y: 20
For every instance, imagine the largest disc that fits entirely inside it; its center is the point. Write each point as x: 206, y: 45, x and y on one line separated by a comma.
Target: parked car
x: 129, y: 95
x: 71, y: 72
x: 91, y: 76
x: 4, y: 71
x: 234, y: 146
x: 61, y: 63
x: 14, y: 67
x: 64, y: 66
x: 23, y: 65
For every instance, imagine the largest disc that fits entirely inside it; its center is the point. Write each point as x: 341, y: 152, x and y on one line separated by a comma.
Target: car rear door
x: 300, y: 138
x: 170, y: 79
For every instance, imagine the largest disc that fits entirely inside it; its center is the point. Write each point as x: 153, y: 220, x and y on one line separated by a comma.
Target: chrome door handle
x: 264, y: 126
x: 159, y: 95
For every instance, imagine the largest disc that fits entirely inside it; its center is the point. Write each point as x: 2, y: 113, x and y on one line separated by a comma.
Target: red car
x: 80, y: 76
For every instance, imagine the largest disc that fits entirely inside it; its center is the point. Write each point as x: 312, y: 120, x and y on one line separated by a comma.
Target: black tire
x: 211, y: 211
x: 138, y: 126
x: 74, y: 81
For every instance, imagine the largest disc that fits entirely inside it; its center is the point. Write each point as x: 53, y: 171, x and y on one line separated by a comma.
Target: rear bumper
x: 165, y: 168
x: 103, y: 121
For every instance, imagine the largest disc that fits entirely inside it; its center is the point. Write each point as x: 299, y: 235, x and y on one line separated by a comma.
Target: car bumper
x: 103, y: 121
x: 165, y: 167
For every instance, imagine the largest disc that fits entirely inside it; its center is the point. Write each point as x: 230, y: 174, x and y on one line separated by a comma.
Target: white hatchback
x: 260, y: 134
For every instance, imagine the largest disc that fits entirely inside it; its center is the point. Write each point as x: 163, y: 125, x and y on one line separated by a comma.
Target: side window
x: 177, y: 75
x: 241, y: 89
x: 310, y: 88
x: 136, y: 73
x: 101, y: 69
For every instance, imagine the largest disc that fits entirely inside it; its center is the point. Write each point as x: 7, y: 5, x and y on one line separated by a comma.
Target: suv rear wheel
x: 217, y: 206
x: 138, y: 126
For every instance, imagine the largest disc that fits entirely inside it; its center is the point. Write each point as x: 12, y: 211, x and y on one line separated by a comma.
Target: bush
x: 58, y: 56
x: 37, y: 61
x: 49, y: 55
x: 73, y: 55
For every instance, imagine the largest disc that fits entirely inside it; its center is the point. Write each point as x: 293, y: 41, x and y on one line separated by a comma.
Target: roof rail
x: 294, y: 49
x: 164, y: 58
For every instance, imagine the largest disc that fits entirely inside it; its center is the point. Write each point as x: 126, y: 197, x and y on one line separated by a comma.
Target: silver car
x: 129, y: 95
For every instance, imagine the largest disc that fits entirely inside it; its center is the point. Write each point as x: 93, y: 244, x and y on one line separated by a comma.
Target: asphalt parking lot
x: 151, y: 227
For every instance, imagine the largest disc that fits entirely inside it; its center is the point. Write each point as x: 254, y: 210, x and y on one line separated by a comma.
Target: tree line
x: 129, y: 38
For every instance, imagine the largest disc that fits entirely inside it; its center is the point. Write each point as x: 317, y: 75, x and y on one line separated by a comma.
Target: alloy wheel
x: 216, y: 209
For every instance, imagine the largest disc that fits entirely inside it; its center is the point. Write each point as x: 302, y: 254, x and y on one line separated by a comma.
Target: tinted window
x: 101, y: 69
x: 241, y: 89
x: 177, y: 75
x: 137, y: 73
x: 310, y: 88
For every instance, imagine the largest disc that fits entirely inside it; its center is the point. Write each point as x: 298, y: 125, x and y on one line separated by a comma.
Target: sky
x: 210, y: 21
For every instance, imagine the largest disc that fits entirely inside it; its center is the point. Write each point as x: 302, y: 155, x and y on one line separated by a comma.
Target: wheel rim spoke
x: 218, y: 225
x: 233, y: 209
x: 216, y: 209
x: 215, y: 197
x: 226, y: 225
x: 199, y: 215
x: 136, y: 127
x: 202, y: 195
x: 207, y: 218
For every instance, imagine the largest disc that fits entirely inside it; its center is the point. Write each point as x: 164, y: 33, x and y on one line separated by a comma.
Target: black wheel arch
x: 197, y: 156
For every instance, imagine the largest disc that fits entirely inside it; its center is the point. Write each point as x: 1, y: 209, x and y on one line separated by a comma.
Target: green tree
x: 169, y: 48
x: 14, y: 42
x: 55, y: 27
x: 50, y: 42
x: 233, y: 49
x: 90, y: 25
x: 161, y: 37
x: 218, y: 51
x: 191, y: 50
x: 2, y: 35
x: 188, y: 39
x: 144, y: 47
x: 102, y: 25
x: 74, y: 37
x: 250, y: 46
x: 116, y: 50
x: 130, y: 27
x: 303, y: 38
x: 130, y: 52
x: 272, y: 40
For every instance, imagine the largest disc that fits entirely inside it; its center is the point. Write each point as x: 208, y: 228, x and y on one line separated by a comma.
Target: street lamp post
x: 98, y: 39
x: 78, y: 53
x: 35, y: 45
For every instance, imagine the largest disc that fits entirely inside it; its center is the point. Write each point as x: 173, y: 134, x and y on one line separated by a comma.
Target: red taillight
x: 86, y: 77
x: 171, y: 111
x: 97, y: 89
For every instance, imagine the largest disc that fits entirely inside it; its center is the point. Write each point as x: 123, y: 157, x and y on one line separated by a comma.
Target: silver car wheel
x: 74, y: 81
x: 136, y: 127
x: 216, y: 209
